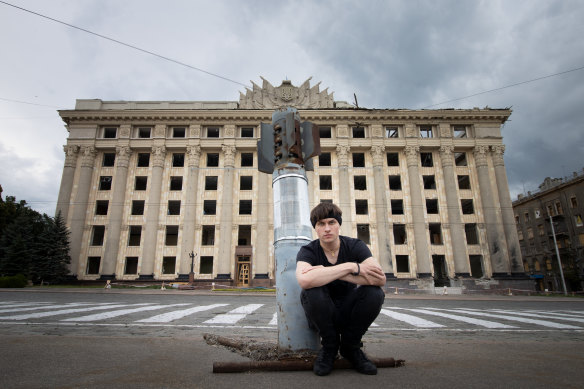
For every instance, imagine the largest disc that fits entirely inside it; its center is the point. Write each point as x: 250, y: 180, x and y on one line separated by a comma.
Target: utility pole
x: 284, y: 150
x: 558, y: 252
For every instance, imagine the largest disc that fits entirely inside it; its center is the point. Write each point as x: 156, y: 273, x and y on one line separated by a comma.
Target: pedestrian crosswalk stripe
x: 542, y: 315
x: 14, y: 304
x: 413, y: 320
x: 37, y: 315
x: 110, y: 314
x: 43, y: 307
x: 235, y: 315
x: 470, y: 320
x: 519, y: 319
x: 175, y: 315
x: 274, y: 321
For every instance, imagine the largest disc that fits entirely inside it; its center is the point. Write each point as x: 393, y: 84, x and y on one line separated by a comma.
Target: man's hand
x: 372, y: 273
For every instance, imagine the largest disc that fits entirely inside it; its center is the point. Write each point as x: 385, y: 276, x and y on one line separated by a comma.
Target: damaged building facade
x: 151, y: 188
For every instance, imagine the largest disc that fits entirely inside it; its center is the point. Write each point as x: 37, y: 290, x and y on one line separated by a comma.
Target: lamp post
x: 192, y: 273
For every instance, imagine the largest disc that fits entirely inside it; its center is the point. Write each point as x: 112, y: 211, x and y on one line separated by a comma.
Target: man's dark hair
x: 325, y: 211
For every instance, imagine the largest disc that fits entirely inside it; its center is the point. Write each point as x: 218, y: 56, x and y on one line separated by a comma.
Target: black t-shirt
x: 351, y: 250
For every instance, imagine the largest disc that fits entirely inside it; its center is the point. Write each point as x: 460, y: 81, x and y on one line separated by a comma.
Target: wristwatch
x: 358, y: 270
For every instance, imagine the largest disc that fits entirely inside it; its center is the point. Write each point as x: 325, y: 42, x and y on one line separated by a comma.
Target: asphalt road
x: 153, y: 339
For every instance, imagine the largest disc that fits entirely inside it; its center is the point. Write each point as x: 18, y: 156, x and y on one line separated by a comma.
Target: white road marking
x: 63, y: 312
x: 542, y: 315
x: 175, y: 315
x: 42, y: 307
x: 235, y: 315
x: 514, y: 318
x: 14, y: 304
x: 109, y: 315
x: 274, y: 321
x: 413, y: 320
x: 470, y: 320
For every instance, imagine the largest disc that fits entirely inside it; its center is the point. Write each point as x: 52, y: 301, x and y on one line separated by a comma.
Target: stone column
x: 262, y: 238
x: 423, y: 260
x: 64, y: 199
x: 116, y: 209
x: 495, y: 236
x: 188, y: 230
x: 152, y: 214
x: 81, y: 207
x: 344, y: 191
x: 507, y: 211
x: 461, y: 262
x: 381, y: 210
x: 227, y: 204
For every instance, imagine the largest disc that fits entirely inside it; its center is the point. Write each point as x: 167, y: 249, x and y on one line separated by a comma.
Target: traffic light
x: 310, y: 143
x: 266, y: 149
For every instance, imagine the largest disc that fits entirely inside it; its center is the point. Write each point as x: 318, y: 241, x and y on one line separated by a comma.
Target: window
x: 171, y: 236
x: 210, y: 182
x: 541, y: 230
x: 399, y: 234
x: 244, y: 235
x: 324, y: 159
x: 426, y: 132
x: 578, y: 220
x: 467, y: 206
x: 245, y: 207
x: 361, y: 207
x: 212, y: 159
x: 460, y: 159
x: 573, y: 202
x: 206, y: 265
x: 360, y: 182
x: 325, y: 131
x: 435, y: 233
x: 526, y: 217
x: 559, y: 208
x: 537, y: 213
x: 397, y: 207
x: 178, y: 160
x: 134, y: 235
x: 212, y: 132
x: 395, y: 183
x: 392, y: 159
x: 179, y: 132
x: 460, y: 132
x: 209, y: 207
x: 476, y: 265
x: 463, y: 182
x: 173, y: 207
x: 93, y: 265
x: 131, y: 265
x: 246, y: 159
x: 429, y: 182
x: 110, y: 132
x: 176, y: 183
x: 101, y: 207
x: 326, y: 201
x: 326, y: 182
x: 247, y: 132
x: 97, y: 236
x: 168, y: 265
x: 359, y: 132
x: 472, y: 236
x: 363, y: 233
x: 108, y: 159
x: 208, y: 238
x: 402, y: 263
x: 358, y: 160
x: 143, y: 132
x: 140, y: 183
x: 105, y: 183
x: 246, y: 183
x: 432, y: 206
x: 426, y: 159
x: 143, y: 160
x: 391, y: 132
x: 137, y: 207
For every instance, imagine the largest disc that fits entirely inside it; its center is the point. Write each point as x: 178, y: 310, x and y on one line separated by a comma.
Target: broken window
x: 391, y: 132
x: 110, y: 132
x: 171, y: 238
x: 573, y: 202
x: 246, y: 159
x: 246, y: 183
x: 143, y: 160
x: 325, y: 131
x: 245, y: 207
x: 208, y: 237
x: 402, y: 263
x: 460, y: 132
x: 326, y: 182
x: 178, y: 160
x: 131, y: 265
x: 173, y: 207
x: 326, y: 201
x: 244, y: 235
x: 361, y: 207
x: 206, y: 265
x: 432, y: 206
x: 212, y: 132
x: 425, y: 131
x: 467, y: 206
x: 209, y: 207
x: 526, y: 217
x: 392, y: 159
x: 429, y: 182
x: 358, y: 160
x: 463, y: 182
x: 101, y: 207
x: 93, y: 265
x: 395, y: 183
x: 472, y: 236
x: 108, y: 159
x: 97, y: 236
x: 363, y: 233
x: 105, y: 183
x: 247, y: 132
x: 168, y: 265
x: 435, y: 233
x: 176, y: 183
x: 359, y: 132
x: 360, y: 182
x: 134, y: 235
x: 426, y: 159
x: 397, y: 207
x: 179, y: 132
x: 324, y: 159
x: 476, y: 266
x: 144, y: 132
x: 399, y: 234
x: 140, y: 183
x: 460, y: 159
x: 210, y: 182
x: 137, y: 207
x: 212, y: 159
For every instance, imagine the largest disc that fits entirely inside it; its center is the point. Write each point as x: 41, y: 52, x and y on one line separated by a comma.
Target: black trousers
x: 344, y: 321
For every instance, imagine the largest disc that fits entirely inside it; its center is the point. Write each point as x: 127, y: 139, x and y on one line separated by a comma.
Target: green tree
x: 17, y: 247
x: 51, y: 255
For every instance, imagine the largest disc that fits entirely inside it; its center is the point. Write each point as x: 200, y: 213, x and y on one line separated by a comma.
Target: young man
x: 342, y: 293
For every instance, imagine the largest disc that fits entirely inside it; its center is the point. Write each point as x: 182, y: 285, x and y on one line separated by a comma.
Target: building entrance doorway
x: 243, y: 269
x: 440, y: 273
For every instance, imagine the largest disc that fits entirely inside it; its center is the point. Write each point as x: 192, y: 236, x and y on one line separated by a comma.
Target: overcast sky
x: 391, y: 54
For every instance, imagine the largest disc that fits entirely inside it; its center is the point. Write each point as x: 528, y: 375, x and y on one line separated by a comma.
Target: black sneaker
x: 359, y: 361
x: 323, y: 364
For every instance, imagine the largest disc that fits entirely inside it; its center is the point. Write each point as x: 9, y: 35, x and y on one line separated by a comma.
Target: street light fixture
x: 192, y: 273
